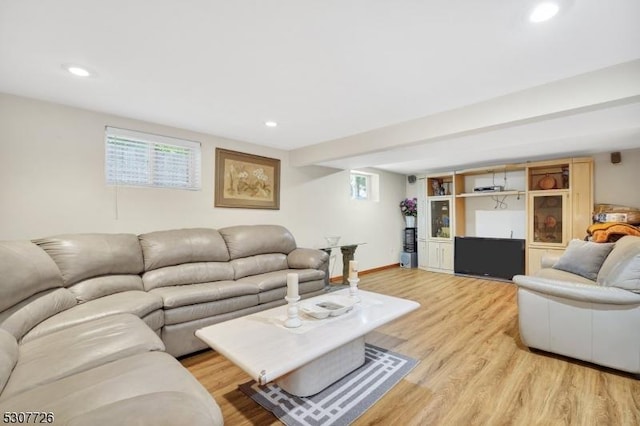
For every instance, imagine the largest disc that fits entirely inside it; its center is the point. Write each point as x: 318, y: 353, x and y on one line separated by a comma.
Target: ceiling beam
x: 604, y: 88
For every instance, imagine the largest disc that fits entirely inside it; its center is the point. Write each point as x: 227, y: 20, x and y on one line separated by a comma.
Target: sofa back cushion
x: 250, y: 240
x: 26, y: 270
x: 175, y: 247
x: 83, y: 257
x: 260, y: 264
x: 188, y: 273
x: 21, y: 318
x: 8, y: 356
x: 94, y: 288
x: 622, y: 267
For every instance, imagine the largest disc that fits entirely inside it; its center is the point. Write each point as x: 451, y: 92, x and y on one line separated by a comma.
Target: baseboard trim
x: 338, y: 279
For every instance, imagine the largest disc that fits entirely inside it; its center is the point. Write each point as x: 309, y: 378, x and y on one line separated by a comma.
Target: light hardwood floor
x: 473, y: 367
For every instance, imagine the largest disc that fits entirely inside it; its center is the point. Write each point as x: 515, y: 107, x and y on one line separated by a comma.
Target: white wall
x: 52, y: 182
x: 618, y: 183
x: 496, y: 216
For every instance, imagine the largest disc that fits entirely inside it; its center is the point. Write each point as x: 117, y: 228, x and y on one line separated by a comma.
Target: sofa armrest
x: 548, y: 260
x: 304, y: 258
x: 577, y: 291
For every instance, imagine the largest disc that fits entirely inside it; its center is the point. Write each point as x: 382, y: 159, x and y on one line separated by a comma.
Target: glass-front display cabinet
x: 440, y: 218
x: 549, y: 224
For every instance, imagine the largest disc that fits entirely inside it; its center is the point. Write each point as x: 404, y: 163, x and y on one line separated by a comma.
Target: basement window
x: 143, y: 159
x: 365, y: 186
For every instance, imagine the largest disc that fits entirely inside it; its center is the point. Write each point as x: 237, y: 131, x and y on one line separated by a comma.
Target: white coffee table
x: 303, y: 360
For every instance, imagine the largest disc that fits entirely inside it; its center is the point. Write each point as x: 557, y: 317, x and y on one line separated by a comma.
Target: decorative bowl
x: 547, y: 182
x: 332, y: 240
x: 315, y: 311
x: 327, y: 306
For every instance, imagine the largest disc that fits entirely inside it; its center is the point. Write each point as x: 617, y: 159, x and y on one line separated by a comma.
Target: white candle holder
x: 292, y: 321
x: 353, y: 288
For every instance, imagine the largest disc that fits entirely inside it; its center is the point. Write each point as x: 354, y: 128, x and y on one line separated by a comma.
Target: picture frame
x: 246, y: 181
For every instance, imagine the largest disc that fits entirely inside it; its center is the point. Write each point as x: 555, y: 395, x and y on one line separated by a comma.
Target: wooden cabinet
x: 440, y: 222
x: 559, y: 207
x: 423, y: 257
x: 440, y: 256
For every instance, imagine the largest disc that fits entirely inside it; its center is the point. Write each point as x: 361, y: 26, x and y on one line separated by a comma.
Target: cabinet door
x: 422, y: 254
x: 549, y: 221
x: 446, y: 256
x: 581, y: 198
x: 440, y: 256
x: 440, y: 218
x: 433, y: 255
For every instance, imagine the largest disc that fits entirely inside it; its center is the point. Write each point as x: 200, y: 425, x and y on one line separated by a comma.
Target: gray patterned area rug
x: 342, y: 402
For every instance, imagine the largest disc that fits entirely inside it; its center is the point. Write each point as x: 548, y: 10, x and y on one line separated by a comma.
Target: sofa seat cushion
x: 188, y: 273
x: 559, y: 275
x: 276, y: 279
x: 154, y: 320
x: 279, y: 293
x: 138, y: 303
x: 182, y: 295
x: 101, y: 395
x: 79, y: 348
x: 209, y: 309
x: 8, y: 356
x: 167, y: 408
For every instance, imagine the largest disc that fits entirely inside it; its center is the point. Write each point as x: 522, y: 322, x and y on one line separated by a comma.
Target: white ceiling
x: 325, y: 70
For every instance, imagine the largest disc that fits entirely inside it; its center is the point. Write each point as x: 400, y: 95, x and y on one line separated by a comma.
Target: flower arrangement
x: 409, y: 207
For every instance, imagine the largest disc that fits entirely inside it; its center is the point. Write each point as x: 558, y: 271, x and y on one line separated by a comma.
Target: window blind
x: 143, y: 159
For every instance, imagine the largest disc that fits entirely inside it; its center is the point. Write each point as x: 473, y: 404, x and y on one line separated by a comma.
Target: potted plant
x: 409, y: 208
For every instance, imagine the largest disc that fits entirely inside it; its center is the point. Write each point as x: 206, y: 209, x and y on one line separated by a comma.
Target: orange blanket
x: 612, y: 231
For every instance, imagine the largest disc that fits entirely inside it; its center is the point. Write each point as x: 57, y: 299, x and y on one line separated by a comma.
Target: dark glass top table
x: 348, y: 251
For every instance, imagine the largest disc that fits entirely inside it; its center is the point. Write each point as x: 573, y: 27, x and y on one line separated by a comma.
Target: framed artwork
x: 246, y: 181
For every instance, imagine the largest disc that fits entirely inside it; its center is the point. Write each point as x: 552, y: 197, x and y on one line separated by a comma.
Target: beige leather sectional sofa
x: 90, y: 323
x: 592, y: 318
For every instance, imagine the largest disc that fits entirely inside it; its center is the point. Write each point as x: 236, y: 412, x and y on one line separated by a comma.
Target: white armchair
x: 595, y: 321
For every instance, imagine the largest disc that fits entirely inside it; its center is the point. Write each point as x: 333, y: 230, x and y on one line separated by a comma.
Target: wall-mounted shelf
x: 493, y: 169
x: 490, y: 194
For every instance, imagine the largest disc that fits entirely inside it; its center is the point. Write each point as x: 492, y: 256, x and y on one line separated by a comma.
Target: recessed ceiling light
x: 543, y: 12
x: 270, y: 123
x: 77, y: 71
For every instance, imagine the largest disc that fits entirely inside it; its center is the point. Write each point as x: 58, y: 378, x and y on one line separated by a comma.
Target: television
x: 500, y: 258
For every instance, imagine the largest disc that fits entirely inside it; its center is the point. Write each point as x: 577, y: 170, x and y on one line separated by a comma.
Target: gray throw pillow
x: 584, y: 258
